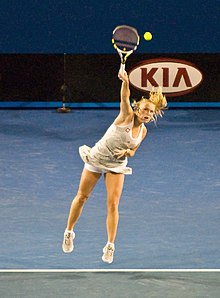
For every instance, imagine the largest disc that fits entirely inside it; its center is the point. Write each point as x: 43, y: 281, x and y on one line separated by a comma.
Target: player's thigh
x: 87, y: 182
x: 114, y: 185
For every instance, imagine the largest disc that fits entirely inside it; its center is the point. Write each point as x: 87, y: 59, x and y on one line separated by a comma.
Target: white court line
x: 103, y: 270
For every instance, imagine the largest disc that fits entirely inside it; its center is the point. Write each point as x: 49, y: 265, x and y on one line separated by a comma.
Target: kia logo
x: 176, y: 77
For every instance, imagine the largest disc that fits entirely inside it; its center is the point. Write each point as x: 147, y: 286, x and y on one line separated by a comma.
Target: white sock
x: 69, y: 231
x: 111, y: 244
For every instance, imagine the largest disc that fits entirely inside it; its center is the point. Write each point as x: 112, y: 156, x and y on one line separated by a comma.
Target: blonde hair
x: 155, y: 97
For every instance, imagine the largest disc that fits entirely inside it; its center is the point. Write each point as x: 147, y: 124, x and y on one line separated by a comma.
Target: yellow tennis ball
x: 148, y: 36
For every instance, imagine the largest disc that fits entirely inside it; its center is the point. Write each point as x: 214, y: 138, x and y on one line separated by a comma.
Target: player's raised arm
x: 125, y: 90
x: 125, y: 107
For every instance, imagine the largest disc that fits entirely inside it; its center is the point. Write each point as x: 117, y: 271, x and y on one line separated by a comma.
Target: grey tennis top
x: 102, y: 154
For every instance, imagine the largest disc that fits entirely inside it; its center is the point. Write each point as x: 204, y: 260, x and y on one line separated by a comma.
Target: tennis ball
x: 148, y: 36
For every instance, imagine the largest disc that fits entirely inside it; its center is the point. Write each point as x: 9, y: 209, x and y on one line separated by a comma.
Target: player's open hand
x: 119, y: 153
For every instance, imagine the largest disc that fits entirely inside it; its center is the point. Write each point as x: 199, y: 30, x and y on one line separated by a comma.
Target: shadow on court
x: 112, y: 285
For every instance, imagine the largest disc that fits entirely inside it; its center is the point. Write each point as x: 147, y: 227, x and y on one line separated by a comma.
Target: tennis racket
x: 125, y: 40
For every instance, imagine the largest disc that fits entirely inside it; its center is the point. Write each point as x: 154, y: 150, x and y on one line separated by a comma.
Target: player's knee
x: 82, y: 198
x: 113, y: 205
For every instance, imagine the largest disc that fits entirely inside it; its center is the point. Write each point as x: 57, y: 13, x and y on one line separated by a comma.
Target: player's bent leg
x: 87, y: 183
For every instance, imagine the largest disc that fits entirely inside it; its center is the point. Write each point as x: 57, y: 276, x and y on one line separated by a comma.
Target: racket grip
x: 122, y: 68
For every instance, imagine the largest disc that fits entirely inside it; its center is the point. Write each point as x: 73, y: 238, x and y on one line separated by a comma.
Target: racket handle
x: 122, y: 68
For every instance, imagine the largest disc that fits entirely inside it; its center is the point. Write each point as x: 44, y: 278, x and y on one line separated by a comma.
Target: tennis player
x: 110, y: 156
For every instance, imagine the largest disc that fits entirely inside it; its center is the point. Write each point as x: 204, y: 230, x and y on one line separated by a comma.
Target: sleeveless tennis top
x: 102, y: 154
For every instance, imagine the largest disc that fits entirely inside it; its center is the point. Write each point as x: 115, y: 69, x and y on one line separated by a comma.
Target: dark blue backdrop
x: 85, y: 26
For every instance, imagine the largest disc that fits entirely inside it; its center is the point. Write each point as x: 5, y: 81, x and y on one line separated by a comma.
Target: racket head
x: 125, y: 39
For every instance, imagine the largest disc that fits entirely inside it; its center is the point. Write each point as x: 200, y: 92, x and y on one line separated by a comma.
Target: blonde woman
x: 109, y: 157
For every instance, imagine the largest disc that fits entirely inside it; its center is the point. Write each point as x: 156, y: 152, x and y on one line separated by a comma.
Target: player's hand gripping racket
x: 125, y: 40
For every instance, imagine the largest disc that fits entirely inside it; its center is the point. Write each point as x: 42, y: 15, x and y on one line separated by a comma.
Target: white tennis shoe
x: 108, y: 253
x: 68, y: 241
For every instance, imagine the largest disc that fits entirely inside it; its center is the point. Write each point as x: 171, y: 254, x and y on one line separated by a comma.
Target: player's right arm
x: 126, y: 112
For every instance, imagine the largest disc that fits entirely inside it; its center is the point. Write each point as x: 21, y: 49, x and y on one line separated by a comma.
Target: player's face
x: 146, y: 112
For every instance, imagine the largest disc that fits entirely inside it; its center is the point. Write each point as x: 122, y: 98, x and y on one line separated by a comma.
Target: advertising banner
x: 84, y: 80
x: 182, y: 77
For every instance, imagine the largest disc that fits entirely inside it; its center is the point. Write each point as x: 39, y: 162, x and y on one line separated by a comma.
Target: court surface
x: 169, y: 210
x: 111, y: 284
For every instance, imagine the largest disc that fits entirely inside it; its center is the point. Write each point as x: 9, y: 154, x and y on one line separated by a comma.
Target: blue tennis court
x: 169, y: 210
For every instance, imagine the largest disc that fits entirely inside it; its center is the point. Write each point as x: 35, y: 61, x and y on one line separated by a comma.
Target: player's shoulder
x: 124, y: 119
x: 144, y: 131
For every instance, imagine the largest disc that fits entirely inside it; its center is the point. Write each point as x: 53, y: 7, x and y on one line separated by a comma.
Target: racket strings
x: 126, y: 39
x: 125, y: 45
